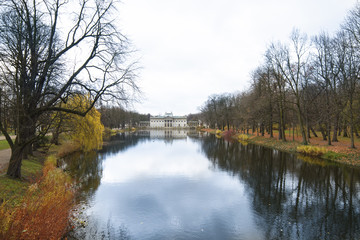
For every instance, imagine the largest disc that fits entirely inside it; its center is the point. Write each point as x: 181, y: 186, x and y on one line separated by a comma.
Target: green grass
x: 332, y: 155
x: 30, y: 168
x: 4, y: 145
x: 12, y: 190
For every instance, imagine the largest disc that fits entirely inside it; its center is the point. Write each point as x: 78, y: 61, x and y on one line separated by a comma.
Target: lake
x: 178, y: 184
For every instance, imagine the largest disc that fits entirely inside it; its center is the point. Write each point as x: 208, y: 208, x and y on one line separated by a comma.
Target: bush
x: 243, y: 137
x: 45, y: 209
x: 218, y: 132
x: 228, y: 134
x: 311, y: 150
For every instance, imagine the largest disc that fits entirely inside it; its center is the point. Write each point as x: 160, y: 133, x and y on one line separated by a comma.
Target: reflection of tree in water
x: 292, y: 199
x: 86, y: 170
x: 121, y: 142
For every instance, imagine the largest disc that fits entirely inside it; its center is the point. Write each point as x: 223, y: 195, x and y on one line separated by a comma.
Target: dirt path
x: 4, y: 156
x: 4, y: 159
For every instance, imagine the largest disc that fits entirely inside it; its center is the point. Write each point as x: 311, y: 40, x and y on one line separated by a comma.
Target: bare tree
x: 327, y: 77
x: 47, y: 55
x: 350, y: 66
x: 272, y: 54
x: 291, y: 63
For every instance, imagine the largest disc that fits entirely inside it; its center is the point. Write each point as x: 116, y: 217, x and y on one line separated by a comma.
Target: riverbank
x: 338, y: 152
x: 38, y: 205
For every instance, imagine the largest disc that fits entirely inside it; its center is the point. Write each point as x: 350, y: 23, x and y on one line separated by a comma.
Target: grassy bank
x: 338, y: 152
x: 13, y: 190
x: 4, y: 145
x: 38, y: 205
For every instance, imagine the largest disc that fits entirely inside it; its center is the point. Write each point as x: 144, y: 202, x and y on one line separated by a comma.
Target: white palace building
x: 168, y: 121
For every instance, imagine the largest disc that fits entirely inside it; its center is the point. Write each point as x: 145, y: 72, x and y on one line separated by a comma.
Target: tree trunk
x: 328, y: 132
x: 56, y: 132
x: 323, y: 133
x: 22, y: 146
x: 302, y: 128
x: 345, y: 133
x: 28, y: 151
x: 283, y: 127
x: 313, y: 131
x: 55, y: 138
x: 14, y: 169
x: 307, y: 128
x: 335, y: 135
x: 352, y: 125
x: 281, y: 123
x: 271, y: 126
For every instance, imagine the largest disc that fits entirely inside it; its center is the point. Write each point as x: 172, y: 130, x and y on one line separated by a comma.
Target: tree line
x: 119, y: 117
x: 51, y: 53
x: 311, y: 84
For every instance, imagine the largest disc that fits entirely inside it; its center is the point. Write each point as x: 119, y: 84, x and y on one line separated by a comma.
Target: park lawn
x: 4, y: 145
x: 12, y: 190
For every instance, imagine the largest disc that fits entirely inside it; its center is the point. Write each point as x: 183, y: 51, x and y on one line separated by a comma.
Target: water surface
x: 187, y: 185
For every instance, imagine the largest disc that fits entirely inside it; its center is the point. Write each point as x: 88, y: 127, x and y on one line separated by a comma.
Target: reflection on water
x: 200, y: 187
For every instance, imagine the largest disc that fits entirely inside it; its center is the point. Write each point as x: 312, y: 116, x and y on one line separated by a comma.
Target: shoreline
x: 338, y: 152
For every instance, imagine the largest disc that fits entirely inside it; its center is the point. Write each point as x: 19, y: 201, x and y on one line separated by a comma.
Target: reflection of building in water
x: 168, y: 121
x: 144, y: 124
x: 168, y: 133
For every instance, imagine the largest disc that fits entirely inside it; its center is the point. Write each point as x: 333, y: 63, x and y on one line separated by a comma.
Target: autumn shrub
x: 44, y: 211
x: 243, y: 137
x: 86, y: 131
x: 311, y: 150
x: 218, y: 132
x: 228, y: 134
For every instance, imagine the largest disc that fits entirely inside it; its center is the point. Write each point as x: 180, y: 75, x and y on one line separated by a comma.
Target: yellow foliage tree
x: 86, y: 131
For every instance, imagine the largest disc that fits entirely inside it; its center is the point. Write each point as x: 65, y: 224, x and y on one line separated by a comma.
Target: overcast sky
x: 190, y: 49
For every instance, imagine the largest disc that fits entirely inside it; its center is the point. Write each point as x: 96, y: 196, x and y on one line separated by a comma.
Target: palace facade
x: 168, y: 121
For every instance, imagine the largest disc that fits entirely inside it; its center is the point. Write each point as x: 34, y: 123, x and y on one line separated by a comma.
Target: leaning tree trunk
x: 323, y: 132
x: 23, y: 142
x: 14, y: 169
